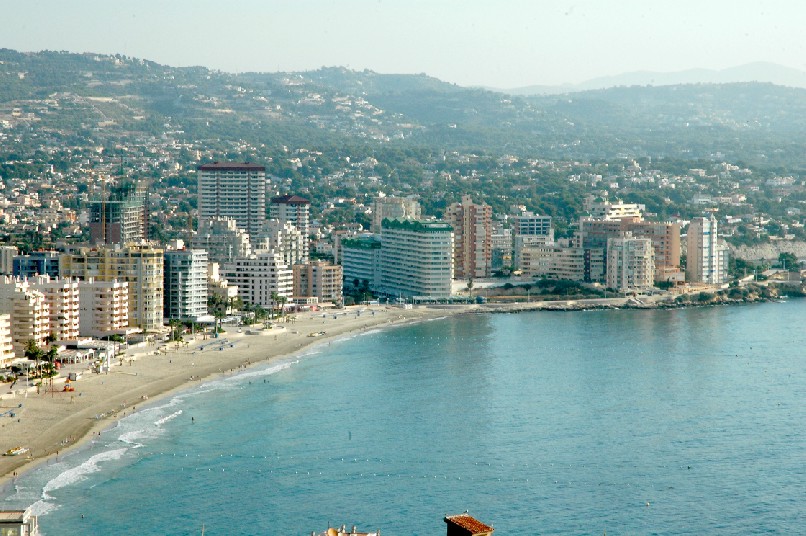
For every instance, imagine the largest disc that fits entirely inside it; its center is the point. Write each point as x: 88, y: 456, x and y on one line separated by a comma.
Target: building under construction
x: 120, y: 216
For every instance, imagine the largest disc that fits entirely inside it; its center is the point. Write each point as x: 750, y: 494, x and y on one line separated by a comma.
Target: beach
x: 53, y: 421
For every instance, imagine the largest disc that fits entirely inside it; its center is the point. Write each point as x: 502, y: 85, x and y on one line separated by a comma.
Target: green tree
x: 34, y: 353
x: 789, y: 261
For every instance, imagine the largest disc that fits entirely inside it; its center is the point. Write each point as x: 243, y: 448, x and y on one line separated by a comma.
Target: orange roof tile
x: 468, y: 522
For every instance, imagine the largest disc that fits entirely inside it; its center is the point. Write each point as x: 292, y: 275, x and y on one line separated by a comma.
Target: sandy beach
x: 53, y: 421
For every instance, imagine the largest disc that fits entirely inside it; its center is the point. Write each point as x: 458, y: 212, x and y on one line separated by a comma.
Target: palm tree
x: 34, y: 353
x: 528, y: 287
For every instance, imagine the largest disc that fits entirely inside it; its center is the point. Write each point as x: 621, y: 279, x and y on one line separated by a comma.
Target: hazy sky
x: 497, y: 43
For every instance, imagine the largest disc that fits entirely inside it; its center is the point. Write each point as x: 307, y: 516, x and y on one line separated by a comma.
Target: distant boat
x: 16, y: 451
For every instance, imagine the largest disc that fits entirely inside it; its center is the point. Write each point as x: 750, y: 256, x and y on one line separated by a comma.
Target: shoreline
x: 53, y: 422
x: 63, y: 422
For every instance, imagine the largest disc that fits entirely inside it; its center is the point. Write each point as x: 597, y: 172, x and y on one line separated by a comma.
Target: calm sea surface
x: 631, y: 422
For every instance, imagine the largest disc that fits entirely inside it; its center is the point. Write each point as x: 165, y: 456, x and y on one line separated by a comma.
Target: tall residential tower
x: 233, y: 190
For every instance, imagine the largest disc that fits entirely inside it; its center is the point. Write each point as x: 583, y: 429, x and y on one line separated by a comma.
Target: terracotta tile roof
x: 468, y: 522
x: 290, y: 199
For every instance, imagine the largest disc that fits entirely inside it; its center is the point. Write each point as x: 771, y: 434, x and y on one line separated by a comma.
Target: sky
x: 492, y: 43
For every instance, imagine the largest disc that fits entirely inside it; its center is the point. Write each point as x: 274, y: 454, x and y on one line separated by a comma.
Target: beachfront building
x: 361, y: 262
x: 36, y: 263
x: 219, y: 287
x: 141, y: 266
x: 318, y: 279
x: 393, y: 208
x: 62, y: 297
x: 630, y: 264
x: 665, y: 236
x: 103, y: 308
x: 260, y: 279
x: 185, y: 286
x: 295, y: 210
x: 222, y: 239
x: 6, y: 343
x: 18, y: 523
x: 284, y: 239
x: 29, y: 313
x: 416, y: 259
x: 707, y: 257
x: 232, y: 190
x: 120, y: 216
x: 472, y: 241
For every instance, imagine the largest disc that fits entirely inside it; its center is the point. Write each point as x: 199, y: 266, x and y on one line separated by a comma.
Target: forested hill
x: 103, y: 98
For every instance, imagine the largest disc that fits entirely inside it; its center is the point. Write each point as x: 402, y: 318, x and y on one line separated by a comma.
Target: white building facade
x: 707, y: 257
x: 416, y: 259
x: 260, y: 276
x: 103, y: 308
x: 185, y: 284
x: 630, y: 264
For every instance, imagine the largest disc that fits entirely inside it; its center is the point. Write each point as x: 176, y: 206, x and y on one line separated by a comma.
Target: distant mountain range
x: 750, y: 72
x: 97, y: 99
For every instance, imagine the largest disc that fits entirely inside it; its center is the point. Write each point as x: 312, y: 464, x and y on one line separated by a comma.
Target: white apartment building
x: 233, y: 190
x: 218, y: 286
x: 361, y: 261
x: 103, y: 308
x: 630, y: 263
x: 295, y: 210
x: 285, y: 240
x: 602, y: 209
x: 185, y: 287
x: 258, y: 277
x: 320, y: 280
x: 62, y: 296
x: 141, y: 266
x: 6, y: 342
x: 393, y: 208
x: 707, y: 257
x: 29, y: 311
x: 222, y: 240
x: 416, y: 259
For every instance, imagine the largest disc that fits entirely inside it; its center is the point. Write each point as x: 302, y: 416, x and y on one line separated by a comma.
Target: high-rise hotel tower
x: 233, y: 190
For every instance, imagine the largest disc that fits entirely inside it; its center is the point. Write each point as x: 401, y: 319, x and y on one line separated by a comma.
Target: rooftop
x: 290, y: 199
x: 232, y: 166
x: 469, y: 523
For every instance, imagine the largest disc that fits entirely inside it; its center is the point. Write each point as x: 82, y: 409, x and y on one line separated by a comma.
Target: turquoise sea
x: 631, y: 422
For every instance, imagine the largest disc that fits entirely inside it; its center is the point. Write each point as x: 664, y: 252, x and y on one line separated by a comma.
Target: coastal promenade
x: 53, y: 421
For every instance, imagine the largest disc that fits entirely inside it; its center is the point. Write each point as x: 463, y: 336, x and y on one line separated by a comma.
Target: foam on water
x: 571, y: 434
x: 73, y: 475
x: 172, y: 416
